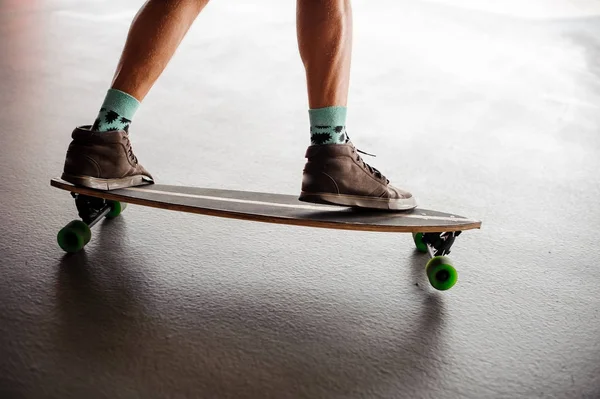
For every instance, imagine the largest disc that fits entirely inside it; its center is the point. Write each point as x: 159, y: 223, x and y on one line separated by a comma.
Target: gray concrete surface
x: 487, y: 109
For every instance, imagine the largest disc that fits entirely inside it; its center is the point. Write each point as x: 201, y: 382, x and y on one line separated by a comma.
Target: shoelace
x: 130, y: 150
x: 366, y: 165
x: 371, y: 169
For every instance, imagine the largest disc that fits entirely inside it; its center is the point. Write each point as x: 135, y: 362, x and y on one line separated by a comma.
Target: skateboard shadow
x: 205, y: 342
x: 417, y: 262
x: 91, y: 319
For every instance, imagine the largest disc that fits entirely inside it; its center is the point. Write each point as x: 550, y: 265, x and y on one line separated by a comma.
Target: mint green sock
x: 328, y: 125
x: 117, y: 112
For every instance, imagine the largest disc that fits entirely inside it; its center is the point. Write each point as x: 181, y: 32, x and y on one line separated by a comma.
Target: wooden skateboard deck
x: 277, y: 208
x: 433, y: 231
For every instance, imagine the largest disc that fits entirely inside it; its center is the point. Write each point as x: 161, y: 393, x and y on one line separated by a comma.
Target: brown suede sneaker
x: 103, y: 160
x: 336, y: 174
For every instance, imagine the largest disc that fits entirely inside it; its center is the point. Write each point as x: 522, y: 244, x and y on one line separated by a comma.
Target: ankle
x: 328, y: 126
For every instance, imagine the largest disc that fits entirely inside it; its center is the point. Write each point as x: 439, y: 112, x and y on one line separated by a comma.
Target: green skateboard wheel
x: 116, y: 208
x: 74, y: 236
x: 421, y: 246
x: 440, y: 272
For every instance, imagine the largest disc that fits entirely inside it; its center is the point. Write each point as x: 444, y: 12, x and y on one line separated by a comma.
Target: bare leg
x: 324, y: 30
x: 155, y: 34
x: 334, y: 172
x: 106, y: 161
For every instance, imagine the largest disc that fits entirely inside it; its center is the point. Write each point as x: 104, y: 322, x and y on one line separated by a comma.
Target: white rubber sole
x: 402, y: 204
x: 107, y: 184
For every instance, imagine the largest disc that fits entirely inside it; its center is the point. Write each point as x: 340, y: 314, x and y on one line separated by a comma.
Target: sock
x: 116, y: 113
x: 328, y: 125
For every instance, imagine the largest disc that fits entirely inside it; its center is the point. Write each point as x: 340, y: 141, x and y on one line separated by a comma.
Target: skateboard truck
x: 439, y: 244
x: 76, y: 234
x: 441, y: 273
x: 91, y: 209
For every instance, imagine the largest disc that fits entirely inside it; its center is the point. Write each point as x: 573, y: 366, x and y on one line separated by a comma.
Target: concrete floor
x: 486, y: 109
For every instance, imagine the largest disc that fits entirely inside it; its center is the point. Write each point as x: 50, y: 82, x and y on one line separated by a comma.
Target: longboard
x: 433, y: 231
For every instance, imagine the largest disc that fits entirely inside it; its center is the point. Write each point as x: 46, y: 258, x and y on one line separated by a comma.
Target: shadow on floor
x: 239, y: 347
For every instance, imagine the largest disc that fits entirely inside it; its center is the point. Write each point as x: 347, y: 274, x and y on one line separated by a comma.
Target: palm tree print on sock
x: 341, y: 134
x: 110, y: 117
x: 109, y: 120
x: 320, y: 135
x: 125, y: 123
x: 320, y: 138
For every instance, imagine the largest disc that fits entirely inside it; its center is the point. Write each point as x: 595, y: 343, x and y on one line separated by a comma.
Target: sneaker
x: 103, y: 161
x: 335, y: 174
